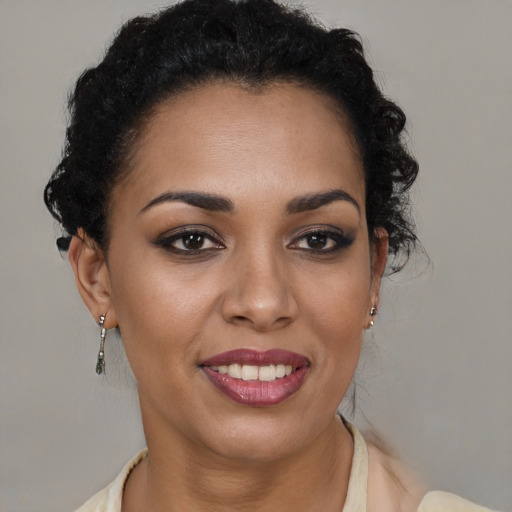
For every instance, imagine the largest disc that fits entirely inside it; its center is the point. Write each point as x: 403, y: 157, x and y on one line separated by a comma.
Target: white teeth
x: 235, y: 370
x: 267, y: 373
x: 249, y: 372
x: 280, y: 371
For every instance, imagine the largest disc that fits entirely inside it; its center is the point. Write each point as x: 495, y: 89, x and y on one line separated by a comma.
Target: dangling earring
x: 373, y: 312
x: 100, y: 365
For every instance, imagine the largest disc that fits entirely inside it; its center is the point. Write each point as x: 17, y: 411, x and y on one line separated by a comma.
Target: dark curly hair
x: 250, y: 42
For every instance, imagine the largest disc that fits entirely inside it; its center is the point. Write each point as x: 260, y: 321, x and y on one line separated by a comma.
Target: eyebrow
x: 210, y: 202
x: 314, y: 201
x: 215, y: 203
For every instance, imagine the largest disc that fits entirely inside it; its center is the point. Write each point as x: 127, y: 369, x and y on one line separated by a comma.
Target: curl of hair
x: 250, y: 42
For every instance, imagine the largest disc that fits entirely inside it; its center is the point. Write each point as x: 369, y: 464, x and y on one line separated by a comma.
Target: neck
x: 180, y: 476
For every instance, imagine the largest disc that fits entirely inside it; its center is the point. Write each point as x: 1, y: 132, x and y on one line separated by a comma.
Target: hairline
x: 136, y: 132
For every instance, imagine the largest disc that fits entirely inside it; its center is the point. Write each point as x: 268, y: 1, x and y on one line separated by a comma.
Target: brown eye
x: 317, y: 241
x: 322, y: 241
x: 193, y: 241
x: 190, y: 241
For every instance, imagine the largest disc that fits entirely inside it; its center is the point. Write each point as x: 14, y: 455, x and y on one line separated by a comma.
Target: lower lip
x: 257, y: 393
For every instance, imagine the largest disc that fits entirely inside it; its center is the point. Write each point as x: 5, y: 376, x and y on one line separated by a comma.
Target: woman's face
x: 239, y: 244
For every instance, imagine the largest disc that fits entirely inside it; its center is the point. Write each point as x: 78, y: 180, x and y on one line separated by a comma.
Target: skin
x: 256, y: 284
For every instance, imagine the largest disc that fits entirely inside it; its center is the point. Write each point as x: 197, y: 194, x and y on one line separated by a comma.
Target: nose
x: 259, y: 294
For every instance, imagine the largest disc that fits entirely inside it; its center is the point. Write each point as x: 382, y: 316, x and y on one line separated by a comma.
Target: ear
x: 92, y: 277
x: 379, y: 259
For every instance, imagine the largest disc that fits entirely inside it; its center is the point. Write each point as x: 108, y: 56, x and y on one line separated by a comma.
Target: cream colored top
x: 109, y: 499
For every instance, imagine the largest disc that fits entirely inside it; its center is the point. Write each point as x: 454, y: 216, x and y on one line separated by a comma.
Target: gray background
x: 436, y: 381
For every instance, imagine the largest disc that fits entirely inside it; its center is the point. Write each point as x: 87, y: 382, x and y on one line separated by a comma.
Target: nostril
x: 260, y: 307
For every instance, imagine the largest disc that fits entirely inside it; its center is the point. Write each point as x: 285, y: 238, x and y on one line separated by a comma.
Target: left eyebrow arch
x: 314, y: 201
x: 201, y: 200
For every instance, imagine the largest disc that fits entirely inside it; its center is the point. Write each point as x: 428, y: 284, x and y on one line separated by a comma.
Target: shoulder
x: 98, y: 503
x: 110, y: 498
x: 438, y: 501
x: 392, y: 487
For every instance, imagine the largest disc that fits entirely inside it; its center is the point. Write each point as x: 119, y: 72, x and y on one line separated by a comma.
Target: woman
x: 233, y: 183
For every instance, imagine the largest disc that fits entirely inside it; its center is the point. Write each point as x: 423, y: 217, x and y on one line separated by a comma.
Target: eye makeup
x: 190, y: 240
x: 322, y: 241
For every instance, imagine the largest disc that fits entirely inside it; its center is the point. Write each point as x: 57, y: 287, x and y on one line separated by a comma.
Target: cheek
x: 339, y: 324
x: 336, y: 304
x: 339, y: 296
x: 159, y: 312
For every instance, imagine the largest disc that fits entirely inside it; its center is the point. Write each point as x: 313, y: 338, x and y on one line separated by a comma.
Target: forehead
x: 226, y: 139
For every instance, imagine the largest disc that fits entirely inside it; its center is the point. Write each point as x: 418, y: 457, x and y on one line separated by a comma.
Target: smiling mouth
x: 255, y: 378
x: 248, y: 372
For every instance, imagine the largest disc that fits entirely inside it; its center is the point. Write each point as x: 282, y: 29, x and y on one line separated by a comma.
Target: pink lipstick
x: 255, y: 378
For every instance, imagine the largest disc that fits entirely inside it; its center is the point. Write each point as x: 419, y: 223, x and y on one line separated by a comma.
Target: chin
x: 259, y: 447
x: 261, y: 435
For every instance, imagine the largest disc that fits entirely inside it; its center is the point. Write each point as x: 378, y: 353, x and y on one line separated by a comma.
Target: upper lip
x: 245, y: 356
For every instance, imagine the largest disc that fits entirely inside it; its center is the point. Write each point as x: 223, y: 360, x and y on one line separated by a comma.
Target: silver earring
x: 373, y: 312
x: 100, y: 365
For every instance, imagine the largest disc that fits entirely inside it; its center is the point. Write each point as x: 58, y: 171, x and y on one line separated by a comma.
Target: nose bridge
x: 260, y: 292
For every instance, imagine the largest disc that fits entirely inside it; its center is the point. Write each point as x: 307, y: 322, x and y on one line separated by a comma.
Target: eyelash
x: 340, y: 239
x: 166, y: 242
